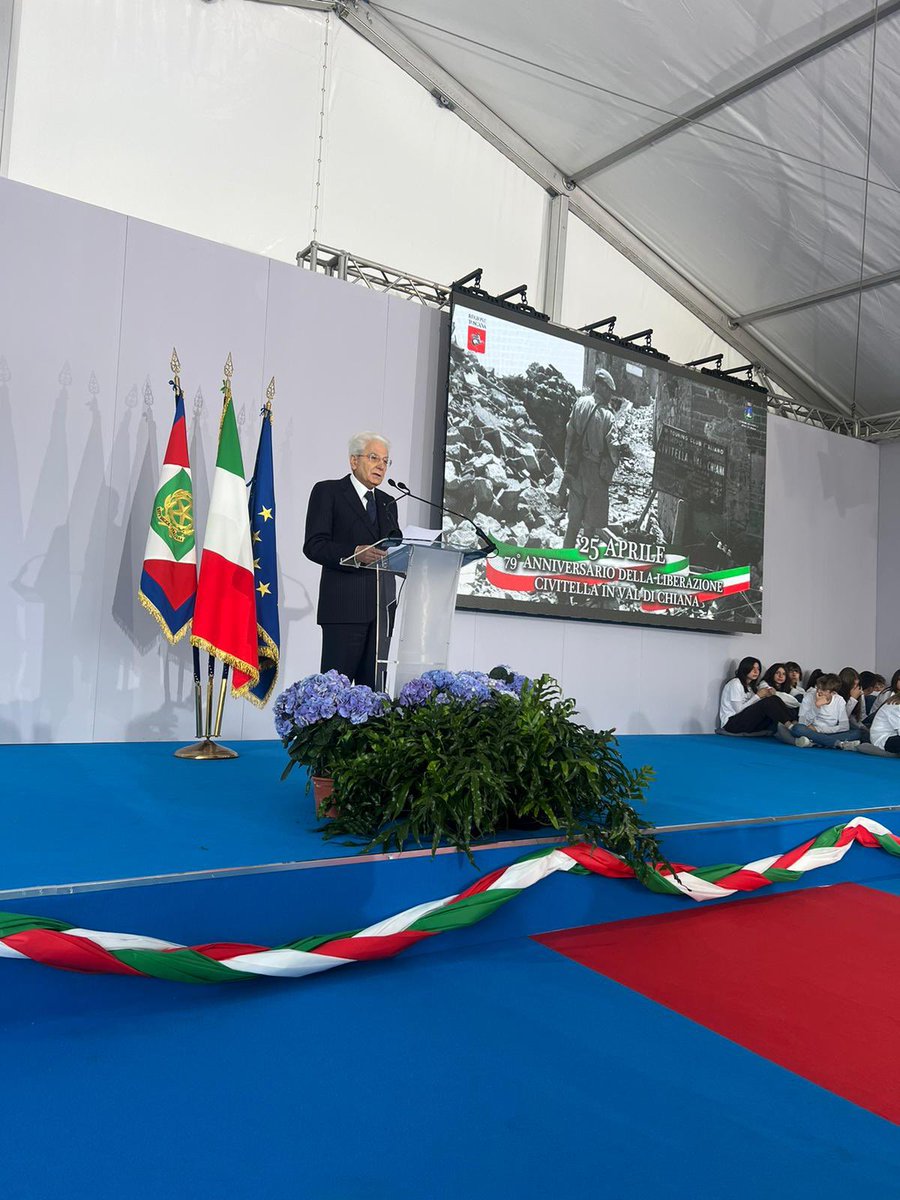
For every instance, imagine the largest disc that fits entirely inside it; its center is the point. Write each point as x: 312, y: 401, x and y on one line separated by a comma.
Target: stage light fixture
x: 718, y: 373
x: 748, y: 369
x: 521, y: 290
x: 473, y: 277
x: 647, y: 348
x: 596, y: 327
x: 470, y: 285
x: 701, y: 362
x: 504, y: 300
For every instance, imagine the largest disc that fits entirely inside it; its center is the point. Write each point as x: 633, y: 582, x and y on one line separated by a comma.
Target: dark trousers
x: 350, y: 649
x: 353, y: 648
x: 762, y: 714
x: 892, y: 745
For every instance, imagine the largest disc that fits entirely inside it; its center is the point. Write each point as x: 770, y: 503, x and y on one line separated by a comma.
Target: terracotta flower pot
x: 323, y: 786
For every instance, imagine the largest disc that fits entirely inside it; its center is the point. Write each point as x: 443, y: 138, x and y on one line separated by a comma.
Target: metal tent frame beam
x: 835, y: 293
x: 365, y: 20
x: 766, y: 75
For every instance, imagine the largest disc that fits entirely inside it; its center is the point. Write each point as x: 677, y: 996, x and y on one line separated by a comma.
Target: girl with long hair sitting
x: 776, y: 678
x: 745, y: 708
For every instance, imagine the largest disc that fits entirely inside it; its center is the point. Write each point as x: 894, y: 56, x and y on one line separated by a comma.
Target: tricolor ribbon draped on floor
x: 56, y: 944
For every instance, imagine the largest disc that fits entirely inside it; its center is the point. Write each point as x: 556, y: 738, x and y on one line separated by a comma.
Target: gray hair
x: 359, y: 441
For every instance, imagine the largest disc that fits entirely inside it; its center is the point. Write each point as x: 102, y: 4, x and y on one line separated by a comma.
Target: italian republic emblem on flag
x: 225, y: 611
x: 169, y: 576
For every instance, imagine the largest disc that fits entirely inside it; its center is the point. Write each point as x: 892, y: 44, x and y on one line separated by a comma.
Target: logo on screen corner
x: 476, y: 340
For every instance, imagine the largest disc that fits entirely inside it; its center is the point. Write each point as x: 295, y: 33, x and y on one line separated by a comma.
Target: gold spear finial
x: 270, y: 390
x: 174, y: 364
x: 227, y: 371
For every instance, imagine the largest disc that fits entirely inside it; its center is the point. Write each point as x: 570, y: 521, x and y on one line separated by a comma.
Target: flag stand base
x: 206, y: 750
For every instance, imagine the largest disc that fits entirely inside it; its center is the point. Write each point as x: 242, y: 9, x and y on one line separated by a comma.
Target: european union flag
x: 265, y: 560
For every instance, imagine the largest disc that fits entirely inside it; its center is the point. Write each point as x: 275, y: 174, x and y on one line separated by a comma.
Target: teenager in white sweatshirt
x: 744, y: 708
x: 885, y: 728
x: 794, y: 680
x: 823, y: 717
x: 776, y: 678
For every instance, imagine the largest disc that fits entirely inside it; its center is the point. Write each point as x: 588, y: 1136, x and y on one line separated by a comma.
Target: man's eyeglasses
x: 374, y: 458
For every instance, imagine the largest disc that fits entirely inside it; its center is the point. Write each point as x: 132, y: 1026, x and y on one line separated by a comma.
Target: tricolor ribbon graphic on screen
x: 669, y: 576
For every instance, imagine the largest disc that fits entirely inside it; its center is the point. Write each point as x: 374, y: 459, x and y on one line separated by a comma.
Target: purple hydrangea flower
x: 322, y: 697
x: 463, y: 687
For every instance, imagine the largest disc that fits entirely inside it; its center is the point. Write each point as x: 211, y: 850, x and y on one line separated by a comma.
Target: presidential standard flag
x: 265, y: 561
x: 225, y: 613
x: 169, y: 576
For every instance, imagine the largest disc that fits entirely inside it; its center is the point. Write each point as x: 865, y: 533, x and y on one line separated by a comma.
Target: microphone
x: 485, y: 537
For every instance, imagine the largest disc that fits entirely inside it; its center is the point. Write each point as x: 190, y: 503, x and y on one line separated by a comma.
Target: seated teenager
x: 745, y: 709
x: 823, y: 717
x: 813, y: 677
x: 852, y: 695
x: 794, y: 679
x: 776, y: 678
x: 886, y: 721
x: 872, y: 686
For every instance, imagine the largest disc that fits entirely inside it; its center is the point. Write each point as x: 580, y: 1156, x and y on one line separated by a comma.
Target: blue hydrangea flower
x: 322, y: 697
x: 461, y: 687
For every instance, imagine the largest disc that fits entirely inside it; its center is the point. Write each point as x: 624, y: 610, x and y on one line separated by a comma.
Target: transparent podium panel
x: 424, y: 617
x: 421, y: 640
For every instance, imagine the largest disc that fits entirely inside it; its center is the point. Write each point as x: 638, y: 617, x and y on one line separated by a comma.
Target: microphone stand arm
x: 490, y: 545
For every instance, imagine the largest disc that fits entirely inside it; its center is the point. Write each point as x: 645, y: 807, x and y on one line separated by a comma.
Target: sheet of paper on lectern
x: 418, y: 533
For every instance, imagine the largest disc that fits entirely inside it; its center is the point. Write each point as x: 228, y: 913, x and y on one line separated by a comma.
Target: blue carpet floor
x: 471, y: 1067
x: 86, y: 813
x: 502, y: 1070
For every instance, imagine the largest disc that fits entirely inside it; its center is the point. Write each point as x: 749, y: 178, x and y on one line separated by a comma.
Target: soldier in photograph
x: 591, y: 456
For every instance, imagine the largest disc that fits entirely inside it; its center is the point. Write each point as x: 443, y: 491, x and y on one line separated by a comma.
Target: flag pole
x: 206, y: 749
x: 223, y: 688
x: 198, y: 693
x: 175, y: 368
x: 210, y: 685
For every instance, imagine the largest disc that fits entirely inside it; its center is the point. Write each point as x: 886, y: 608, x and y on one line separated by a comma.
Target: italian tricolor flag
x: 225, y: 612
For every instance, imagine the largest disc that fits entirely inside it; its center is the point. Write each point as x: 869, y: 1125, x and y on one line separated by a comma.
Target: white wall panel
x: 207, y: 301
x: 821, y: 547
x: 60, y: 307
x: 80, y: 462
x: 532, y: 645
x: 887, y: 641
x: 326, y: 344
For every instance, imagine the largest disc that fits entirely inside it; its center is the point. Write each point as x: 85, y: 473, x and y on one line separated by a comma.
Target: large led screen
x: 618, y: 487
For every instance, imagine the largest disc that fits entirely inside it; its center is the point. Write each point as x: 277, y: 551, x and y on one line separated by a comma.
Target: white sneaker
x: 848, y: 745
x: 802, y: 742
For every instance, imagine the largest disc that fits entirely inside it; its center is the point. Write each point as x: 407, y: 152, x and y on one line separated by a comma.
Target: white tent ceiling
x: 748, y: 147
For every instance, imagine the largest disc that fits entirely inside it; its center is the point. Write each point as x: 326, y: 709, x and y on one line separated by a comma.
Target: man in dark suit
x: 344, y: 519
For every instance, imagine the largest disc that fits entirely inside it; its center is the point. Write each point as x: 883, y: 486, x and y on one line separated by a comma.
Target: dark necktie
x: 370, y: 507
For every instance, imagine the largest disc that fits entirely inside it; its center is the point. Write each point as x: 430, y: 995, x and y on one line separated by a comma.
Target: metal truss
x: 867, y: 429
x: 342, y: 264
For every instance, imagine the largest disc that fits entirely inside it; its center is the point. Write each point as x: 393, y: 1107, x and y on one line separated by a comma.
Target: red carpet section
x: 809, y: 980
